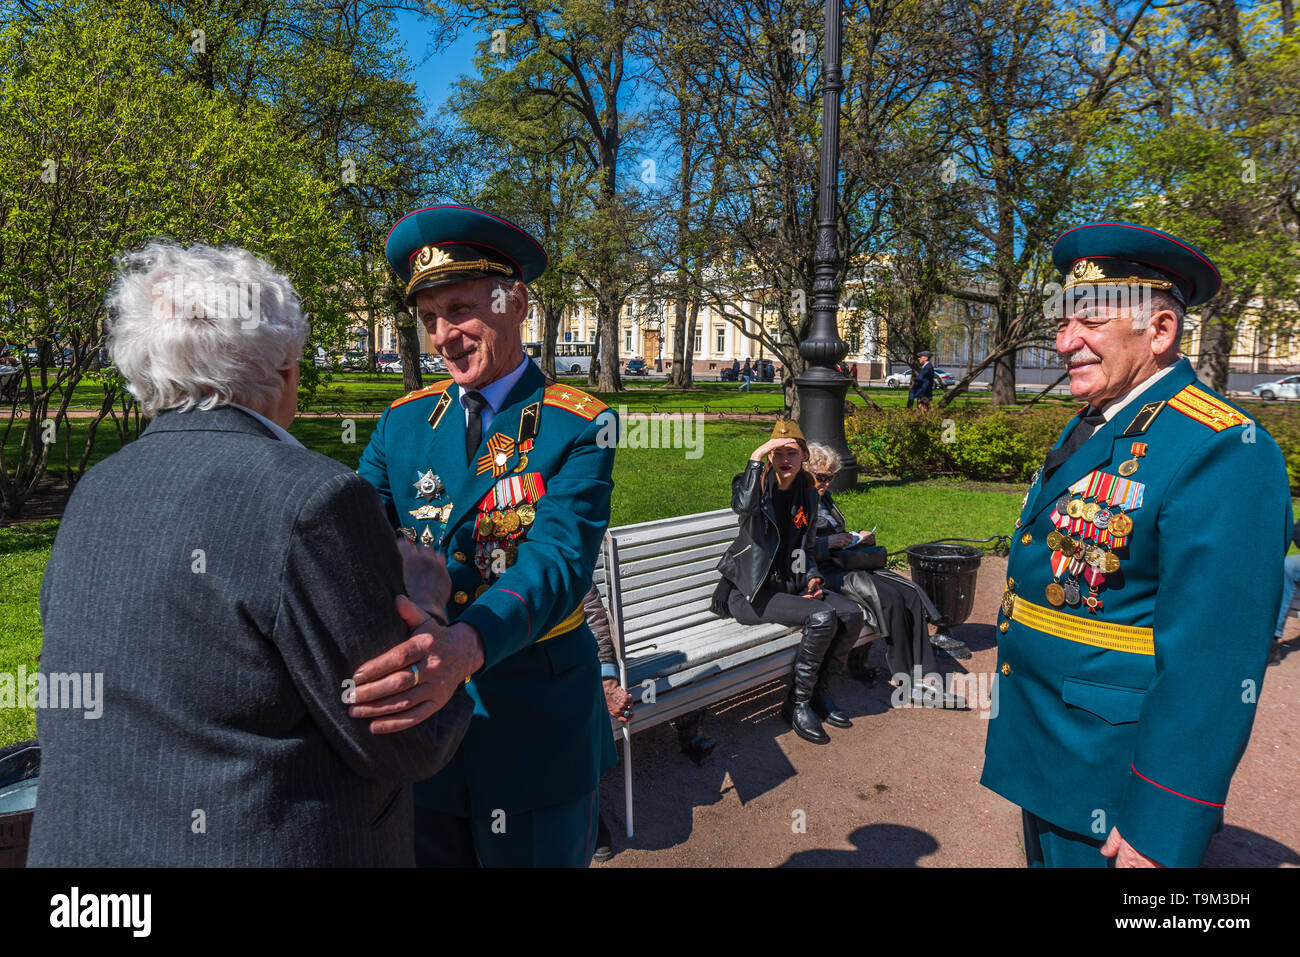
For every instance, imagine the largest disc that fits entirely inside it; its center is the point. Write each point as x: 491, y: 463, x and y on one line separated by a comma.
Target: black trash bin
x: 19, y: 766
x: 947, y: 573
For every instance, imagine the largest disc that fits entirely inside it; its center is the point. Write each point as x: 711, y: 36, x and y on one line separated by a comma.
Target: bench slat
x: 666, y: 622
x: 696, y: 589
x: 670, y: 528
x: 675, y: 581
x: 700, y: 631
x: 705, y: 553
x: 719, y: 535
x: 670, y: 657
x: 711, y: 682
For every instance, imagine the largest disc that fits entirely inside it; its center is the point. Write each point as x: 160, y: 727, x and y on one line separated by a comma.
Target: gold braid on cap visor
x: 431, y: 261
x: 1088, y: 273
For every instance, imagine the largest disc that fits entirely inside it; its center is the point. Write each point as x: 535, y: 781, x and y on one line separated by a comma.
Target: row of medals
x: 499, y: 528
x: 1081, y: 552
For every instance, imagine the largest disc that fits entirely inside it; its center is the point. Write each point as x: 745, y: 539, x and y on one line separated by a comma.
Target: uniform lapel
x: 530, y: 388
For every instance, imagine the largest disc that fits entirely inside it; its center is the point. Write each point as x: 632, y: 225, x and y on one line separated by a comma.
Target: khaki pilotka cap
x: 789, y: 429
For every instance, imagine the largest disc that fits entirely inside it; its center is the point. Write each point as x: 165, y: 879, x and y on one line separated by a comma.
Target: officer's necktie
x: 474, y: 403
x: 1078, y: 435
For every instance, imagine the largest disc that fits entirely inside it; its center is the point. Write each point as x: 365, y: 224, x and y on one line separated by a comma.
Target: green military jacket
x: 520, y: 527
x: 1133, y: 713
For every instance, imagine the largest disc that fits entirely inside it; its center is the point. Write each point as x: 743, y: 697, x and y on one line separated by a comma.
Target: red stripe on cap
x: 1153, y: 232
x: 481, y: 212
x: 1171, y: 790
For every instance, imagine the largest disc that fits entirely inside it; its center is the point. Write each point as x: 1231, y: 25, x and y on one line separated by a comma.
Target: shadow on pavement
x: 1240, y: 847
x: 876, y: 845
x: 750, y: 759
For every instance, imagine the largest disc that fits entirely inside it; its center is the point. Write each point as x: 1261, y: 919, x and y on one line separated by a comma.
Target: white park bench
x: 674, y: 655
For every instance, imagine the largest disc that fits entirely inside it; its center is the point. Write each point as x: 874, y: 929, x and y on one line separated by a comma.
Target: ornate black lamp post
x: 822, y: 387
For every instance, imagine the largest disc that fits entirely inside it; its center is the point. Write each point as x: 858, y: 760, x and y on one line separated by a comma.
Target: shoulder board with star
x: 574, y: 400
x: 1210, y: 410
x: 434, y: 389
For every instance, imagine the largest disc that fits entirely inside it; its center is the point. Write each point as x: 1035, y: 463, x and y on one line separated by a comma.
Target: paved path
x: 900, y: 788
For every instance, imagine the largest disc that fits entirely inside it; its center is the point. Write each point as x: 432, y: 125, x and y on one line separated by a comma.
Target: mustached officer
x: 510, y: 480
x: 1144, y: 576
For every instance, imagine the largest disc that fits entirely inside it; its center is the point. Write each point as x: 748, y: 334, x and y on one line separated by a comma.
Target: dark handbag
x: 864, y: 557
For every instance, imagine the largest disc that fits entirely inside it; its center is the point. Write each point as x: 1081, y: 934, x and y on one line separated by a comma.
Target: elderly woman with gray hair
x: 892, y: 603
x: 221, y: 583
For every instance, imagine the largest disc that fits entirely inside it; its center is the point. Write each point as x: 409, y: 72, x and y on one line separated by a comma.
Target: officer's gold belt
x: 1099, y: 634
x: 576, y: 618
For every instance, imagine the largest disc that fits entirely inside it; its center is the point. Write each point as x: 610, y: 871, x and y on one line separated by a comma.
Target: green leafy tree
x: 99, y: 151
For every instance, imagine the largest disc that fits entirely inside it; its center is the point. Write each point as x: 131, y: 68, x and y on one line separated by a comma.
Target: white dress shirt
x: 278, y: 432
x: 1113, y: 408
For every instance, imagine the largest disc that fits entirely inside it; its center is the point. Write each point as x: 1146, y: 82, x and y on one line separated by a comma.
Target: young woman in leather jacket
x: 769, y: 574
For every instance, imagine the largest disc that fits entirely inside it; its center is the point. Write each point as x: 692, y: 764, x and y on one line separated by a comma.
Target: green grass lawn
x: 371, y: 393
x: 24, y: 550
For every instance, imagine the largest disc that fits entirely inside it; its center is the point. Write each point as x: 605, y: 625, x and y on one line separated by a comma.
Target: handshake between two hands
x: 413, y: 680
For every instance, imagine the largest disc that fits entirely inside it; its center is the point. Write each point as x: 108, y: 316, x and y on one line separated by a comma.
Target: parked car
x: 1288, y: 388
x: 354, y: 360
x: 432, y: 363
x: 389, y: 362
x: 636, y: 367
x: 903, y: 380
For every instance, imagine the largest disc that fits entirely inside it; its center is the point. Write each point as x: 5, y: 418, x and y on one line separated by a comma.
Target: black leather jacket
x: 748, y: 562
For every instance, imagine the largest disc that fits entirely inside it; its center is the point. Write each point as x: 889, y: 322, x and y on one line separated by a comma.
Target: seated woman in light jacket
x: 769, y: 574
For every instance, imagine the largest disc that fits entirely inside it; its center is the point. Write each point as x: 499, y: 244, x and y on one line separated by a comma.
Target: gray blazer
x: 225, y: 584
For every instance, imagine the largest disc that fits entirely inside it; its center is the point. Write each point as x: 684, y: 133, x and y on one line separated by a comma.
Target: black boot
x: 836, y: 661
x: 825, y: 709
x: 797, y: 710
x: 604, y: 843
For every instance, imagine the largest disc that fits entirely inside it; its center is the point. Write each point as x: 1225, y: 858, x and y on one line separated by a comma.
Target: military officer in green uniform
x: 1143, y: 578
x: 510, y: 480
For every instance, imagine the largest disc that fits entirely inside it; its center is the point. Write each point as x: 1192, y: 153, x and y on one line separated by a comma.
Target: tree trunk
x: 408, y: 345
x: 550, y: 333
x: 688, y: 351
x: 1004, y: 380
x: 682, y: 375
x: 1217, y: 335
x: 607, y: 334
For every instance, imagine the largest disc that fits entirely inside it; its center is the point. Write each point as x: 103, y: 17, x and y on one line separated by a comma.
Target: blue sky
x: 436, y: 76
